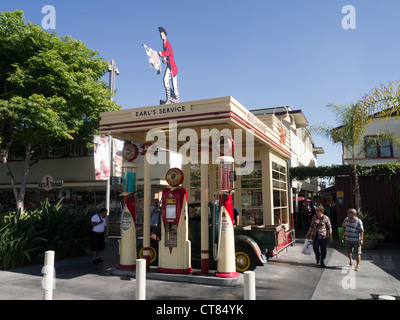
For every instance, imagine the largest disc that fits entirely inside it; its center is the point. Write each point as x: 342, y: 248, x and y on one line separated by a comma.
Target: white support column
x: 141, y: 279
x: 268, y: 201
x: 48, y: 271
x: 249, y: 285
x: 204, y: 218
x: 146, y: 209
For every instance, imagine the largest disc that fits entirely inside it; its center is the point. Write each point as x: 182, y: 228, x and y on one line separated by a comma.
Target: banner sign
x: 118, y: 146
x: 101, y: 157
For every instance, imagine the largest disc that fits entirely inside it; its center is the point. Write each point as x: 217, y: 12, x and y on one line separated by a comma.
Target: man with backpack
x: 98, y: 234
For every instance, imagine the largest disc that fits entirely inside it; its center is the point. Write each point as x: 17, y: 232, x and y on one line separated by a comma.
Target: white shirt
x: 100, y: 227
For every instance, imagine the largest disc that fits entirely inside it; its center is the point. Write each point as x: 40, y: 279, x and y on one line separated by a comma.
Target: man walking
x: 354, y: 230
x: 171, y: 72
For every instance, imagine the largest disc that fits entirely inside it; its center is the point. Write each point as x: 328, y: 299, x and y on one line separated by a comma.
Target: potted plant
x: 372, y: 231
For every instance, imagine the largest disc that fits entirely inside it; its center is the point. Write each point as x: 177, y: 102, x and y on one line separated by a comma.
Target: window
x: 279, y: 191
x: 195, y: 182
x: 378, y: 147
x: 56, y: 151
x: 251, y: 193
x: 76, y: 148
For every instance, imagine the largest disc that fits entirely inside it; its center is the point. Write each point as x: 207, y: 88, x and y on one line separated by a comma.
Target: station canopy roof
x: 217, y: 113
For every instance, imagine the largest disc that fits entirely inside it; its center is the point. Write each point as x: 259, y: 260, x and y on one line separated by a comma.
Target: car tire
x: 244, y: 258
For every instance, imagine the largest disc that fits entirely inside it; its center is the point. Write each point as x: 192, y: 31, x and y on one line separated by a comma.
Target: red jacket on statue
x: 168, y: 54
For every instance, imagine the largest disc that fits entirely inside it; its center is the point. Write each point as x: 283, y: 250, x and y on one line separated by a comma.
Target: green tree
x: 50, y: 90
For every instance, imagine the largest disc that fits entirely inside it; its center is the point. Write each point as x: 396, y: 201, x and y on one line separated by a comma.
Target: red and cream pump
x: 174, y: 248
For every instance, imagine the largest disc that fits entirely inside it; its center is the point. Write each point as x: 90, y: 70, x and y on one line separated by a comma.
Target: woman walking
x: 320, y: 231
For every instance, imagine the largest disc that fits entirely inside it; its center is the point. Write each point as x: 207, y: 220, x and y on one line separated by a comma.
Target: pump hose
x: 216, y: 254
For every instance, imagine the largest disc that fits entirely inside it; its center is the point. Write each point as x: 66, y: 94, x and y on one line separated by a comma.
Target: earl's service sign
x: 162, y: 110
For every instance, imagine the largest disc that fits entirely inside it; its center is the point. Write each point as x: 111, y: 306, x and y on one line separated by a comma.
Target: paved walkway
x: 292, y: 276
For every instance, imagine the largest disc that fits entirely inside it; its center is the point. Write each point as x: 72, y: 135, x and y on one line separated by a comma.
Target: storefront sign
x: 339, y: 197
x: 48, y: 183
x: 257, y: 123
x: 161, y: 111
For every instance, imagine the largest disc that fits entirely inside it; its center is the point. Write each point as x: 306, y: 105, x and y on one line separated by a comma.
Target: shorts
x: 97, y: 243
x: 353, y: 245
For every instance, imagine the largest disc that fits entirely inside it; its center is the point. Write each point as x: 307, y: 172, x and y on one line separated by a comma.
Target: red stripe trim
x: 176, y: 271
x: 204, y: 266
x: 226, y: 274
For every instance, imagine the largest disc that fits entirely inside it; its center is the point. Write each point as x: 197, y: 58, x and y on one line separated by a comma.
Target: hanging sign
x: 130, y: 152
x: 174, y: 177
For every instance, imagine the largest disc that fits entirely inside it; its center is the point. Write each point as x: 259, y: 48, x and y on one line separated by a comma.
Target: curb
x: 196, y: 277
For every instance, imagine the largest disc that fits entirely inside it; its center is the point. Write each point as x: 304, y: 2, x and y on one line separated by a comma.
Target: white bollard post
x: 141, y: 279
x: 249, y: 285
x: 48, y: 278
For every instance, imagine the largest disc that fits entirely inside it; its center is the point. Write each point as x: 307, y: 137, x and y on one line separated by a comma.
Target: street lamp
x: 113, y: 70
x: 287, y: 118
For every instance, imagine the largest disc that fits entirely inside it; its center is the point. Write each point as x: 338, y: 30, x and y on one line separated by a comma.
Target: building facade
x: 374, y: 149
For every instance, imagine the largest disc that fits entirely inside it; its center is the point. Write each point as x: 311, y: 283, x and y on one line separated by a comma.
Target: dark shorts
x: 353, y: 247
x: 97, y: 241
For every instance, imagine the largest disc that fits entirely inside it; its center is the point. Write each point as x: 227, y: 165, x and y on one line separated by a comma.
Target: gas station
x: 229, y: 144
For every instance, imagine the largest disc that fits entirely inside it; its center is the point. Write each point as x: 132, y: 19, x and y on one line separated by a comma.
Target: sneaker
x: 95, y: 261
x: 317, y: 262
x: 322, y: 264
x: 100, y: 260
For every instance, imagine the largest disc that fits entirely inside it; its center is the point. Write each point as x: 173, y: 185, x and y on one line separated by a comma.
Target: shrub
x: 25, y: 237
x: 372, y: 227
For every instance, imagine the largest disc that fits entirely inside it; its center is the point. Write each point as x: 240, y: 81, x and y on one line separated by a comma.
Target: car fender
x: 253, y: 244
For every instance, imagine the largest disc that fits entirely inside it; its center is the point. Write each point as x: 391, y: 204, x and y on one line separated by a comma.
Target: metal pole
x: 140, y: 279
x: 113, y: 70
x: 249, y: 285
x: 108, y: 185
x: 48, y: 271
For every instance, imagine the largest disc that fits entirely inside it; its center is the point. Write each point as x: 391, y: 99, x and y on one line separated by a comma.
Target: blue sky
x: 262, y: 52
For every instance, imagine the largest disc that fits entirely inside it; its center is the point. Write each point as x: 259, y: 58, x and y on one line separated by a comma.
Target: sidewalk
x: 293, y: 276
x: 379, y: 275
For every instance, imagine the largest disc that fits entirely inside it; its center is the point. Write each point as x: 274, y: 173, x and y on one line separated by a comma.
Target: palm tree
x: 353, y: 122
x: 384, y: 99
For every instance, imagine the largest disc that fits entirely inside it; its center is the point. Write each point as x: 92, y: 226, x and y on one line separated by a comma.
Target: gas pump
x: 174, y: 247
x: 128, y: 219
x: 223, y: 234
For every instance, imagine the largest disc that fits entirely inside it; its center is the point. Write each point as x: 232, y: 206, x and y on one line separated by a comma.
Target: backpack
x: 90, y: 227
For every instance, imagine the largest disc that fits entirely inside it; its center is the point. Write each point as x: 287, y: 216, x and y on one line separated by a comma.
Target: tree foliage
x: 50, y: 90
x: 386, y: 169
x: 384, y: 99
